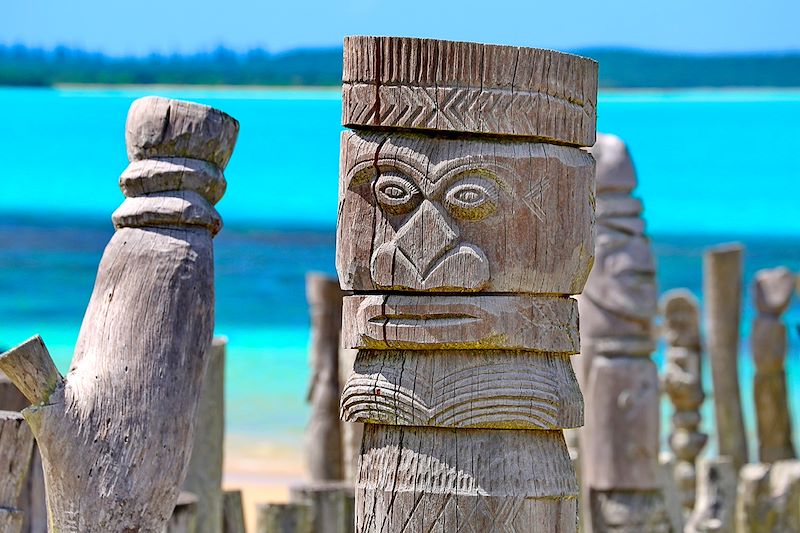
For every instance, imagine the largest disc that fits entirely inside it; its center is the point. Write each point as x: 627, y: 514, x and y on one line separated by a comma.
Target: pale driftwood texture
x: 323, y: 434
x: 184, y: 517
x: 32, y: 499
x: 204, y: 474
x: 116, y: 433
x: 16, y: 445
x: 768, y: 499
x: 469, y: 87
x: 285, y: 518
x: 232, y: 512
x: 332, y: 505
x: 682, y: 381
x: 715, y: 507
x: 619, y: 446
x: 672, y: 498
x: 463, y: 393
x: 722, y: 297
x: 546, y: 323
x: 352, y: 432
x: 772, y: 291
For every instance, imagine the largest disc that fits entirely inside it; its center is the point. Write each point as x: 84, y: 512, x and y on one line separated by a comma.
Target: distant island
x: 619, y: 68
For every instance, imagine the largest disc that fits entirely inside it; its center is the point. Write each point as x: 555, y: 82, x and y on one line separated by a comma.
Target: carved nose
x: 426, y: 237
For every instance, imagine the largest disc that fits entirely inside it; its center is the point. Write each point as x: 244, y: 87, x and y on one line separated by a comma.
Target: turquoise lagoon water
x: 713, y: 167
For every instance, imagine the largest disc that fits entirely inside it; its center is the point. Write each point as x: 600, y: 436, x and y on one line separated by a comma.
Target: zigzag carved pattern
x: 469, y: 109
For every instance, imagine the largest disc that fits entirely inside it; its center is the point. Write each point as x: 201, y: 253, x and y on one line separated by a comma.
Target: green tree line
x: 24, y: 66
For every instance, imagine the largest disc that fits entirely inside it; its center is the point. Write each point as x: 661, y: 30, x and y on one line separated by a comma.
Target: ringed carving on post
x: 466, y: 211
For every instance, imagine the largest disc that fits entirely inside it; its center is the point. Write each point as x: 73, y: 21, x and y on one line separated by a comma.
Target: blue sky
x: 144, y: 26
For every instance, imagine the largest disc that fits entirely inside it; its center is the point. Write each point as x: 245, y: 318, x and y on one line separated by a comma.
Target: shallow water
x: 713, y: 167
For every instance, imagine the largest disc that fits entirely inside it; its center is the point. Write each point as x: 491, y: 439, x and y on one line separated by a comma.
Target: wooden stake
x: 716, y: 497
x: 465, y: 224
x: 620, y: 440
x: 323, y: 434
x: 115, y: 434
x: 233, y: 512
x: 768, y: 499
x: 295, y: 517
x: 16, y: 445
x: 772, y: 292
x: 331, y: 505
x: 683, y: 383
x: 184, y: 516
x: 722, y: 295
x: 204, y: 475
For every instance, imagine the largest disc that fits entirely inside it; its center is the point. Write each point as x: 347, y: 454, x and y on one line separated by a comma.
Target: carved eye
x: 396, y: 194
x: 472, y: 198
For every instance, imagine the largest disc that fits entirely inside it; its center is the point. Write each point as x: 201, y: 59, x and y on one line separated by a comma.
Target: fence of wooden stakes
x: 442, y: 357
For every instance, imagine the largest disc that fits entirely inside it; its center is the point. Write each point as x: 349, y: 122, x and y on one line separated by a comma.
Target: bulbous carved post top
x: 178, y: 152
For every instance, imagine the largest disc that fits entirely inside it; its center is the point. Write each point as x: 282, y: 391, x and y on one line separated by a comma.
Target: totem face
x: 449, y: 215
x: 623, y: 279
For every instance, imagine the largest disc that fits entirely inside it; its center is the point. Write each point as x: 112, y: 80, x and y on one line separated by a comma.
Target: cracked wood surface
x: 16, y: 446
x: 115, y: 434
x: 434, y: 85
x: 462, y: 250
x: 418, y: 322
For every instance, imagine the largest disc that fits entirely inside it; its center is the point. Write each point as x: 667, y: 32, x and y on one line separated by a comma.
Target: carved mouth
x: 404, y: 320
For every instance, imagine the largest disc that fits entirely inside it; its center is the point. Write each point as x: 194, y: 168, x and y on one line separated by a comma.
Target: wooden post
x: 16, y: 445
x: 115, y: 434
x: 683, y: 383
x: 32, y: 500
x: 296, y: 517
x: 331, y: 504
x: 233, y: 512
x: 323, y: 434
x: 772, y: 292
x: 722, y: 295
x: 204, y: 475
x: 352, y: 432
x: 620, y: 440
x: 465, y: 224
x: 184, y: 517
x: 715, y: 507
x: 768, y: 499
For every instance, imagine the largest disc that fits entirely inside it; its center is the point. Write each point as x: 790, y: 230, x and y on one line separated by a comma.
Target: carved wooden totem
x: 115, y: 433
x: 620, y: 440
x: 683, y: 383
x: 772, y: 292
x: 465, y: 224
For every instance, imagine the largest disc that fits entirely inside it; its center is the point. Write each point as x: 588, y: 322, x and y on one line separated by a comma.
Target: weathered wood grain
x: 418, y: 322
x: 716, y: 497
x: 619, y: 443
x: 352, y: 432
x: 115, y: 435
x: 772, y: 290
x: 323, y: 434
x: 469, y: 87
x: 420, y: 214
x: 768, y: 498
x: 16, y: 445
x: 722, y: 298
x: 232, y: 512
x: 682, y: 381
x: 462, y: 243
x: 204, y: 474
x: 463, y: 389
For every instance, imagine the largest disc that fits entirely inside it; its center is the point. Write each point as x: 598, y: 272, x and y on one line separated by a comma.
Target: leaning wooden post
x: 772, y: 292
x: 722, y: 296
x: 465, y: 224
x: 115, y: 434
x: 323, y: 434
x: 16, y: 445
x: 715, y: 508
x: 683, y: 383
x: 204, y: 474
x: 620, y: 440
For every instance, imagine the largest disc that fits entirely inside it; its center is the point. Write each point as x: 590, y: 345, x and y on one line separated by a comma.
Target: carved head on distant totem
x: 451, y: 215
